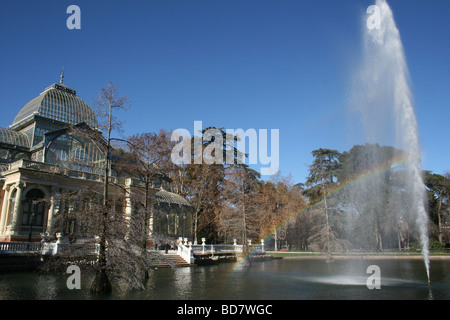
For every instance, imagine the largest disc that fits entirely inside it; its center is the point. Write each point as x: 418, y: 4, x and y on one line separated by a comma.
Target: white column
x: 128, y: 202
x: 128, y: 212
x: 128, y: 206
x: 51, y: 211
x: 4, y: 211
x: 151, y: 221
x: 14, y: 227
x: 62, y: 208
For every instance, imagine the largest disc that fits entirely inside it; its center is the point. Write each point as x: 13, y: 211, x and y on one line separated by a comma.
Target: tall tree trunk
x: 327, y: 230
x: 197, y: 211
x: 439, y: 219
x: 275, y: 236
x: 195, y: 216
x: 244, y: 218
x: 379, y: 240
x: 101, y: 282
x: 146, y: 227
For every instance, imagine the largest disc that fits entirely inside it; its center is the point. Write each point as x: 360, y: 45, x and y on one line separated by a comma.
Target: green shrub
x: 435, y: 245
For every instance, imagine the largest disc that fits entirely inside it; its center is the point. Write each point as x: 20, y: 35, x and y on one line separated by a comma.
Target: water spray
x: 384, y: 81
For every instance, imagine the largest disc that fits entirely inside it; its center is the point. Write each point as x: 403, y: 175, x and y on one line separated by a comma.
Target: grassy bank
x: 371, y: 255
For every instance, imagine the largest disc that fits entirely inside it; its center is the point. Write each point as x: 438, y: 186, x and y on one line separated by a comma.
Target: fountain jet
x: 385, y: 103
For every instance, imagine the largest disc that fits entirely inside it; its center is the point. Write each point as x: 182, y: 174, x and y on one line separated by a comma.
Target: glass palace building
x: 41, y: 157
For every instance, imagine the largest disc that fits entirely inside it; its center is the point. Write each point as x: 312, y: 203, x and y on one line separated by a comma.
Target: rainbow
x: 397, y: 161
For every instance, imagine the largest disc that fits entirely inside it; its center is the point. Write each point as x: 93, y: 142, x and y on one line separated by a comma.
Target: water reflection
x: 284, y: 279
x: 430, y: 293
x: 46, y: 288
x: 183, y: 282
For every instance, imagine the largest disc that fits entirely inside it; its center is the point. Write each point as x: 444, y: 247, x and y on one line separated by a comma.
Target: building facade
x: 48, y: 151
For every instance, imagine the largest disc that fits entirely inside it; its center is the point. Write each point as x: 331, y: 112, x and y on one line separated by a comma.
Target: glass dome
x: 57, y: 102
x: 14, y: 138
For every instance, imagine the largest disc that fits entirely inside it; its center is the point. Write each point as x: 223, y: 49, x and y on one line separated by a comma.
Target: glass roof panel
x: 14, y: 138
x: 58, y: 102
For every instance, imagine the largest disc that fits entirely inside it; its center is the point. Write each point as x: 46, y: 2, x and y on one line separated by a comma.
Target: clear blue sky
x: 261, y: 64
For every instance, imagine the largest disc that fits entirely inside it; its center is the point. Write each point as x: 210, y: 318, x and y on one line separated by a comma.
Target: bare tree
x: 239, y: 207
x: 201, y: 182
x: 147, y: 157
x: 106, y: 101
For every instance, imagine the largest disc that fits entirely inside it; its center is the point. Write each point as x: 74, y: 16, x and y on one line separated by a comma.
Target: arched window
x: 75, y: 152
x: 33, y: 208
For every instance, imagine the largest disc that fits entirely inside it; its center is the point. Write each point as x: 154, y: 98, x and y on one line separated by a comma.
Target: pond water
x: 282, y: 279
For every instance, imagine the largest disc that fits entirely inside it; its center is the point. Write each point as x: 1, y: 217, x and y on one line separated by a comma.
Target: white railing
x: 82, y: 172
x: 186, y: 253
x: 22, y: 247
x: 45, y: 248
x: 210, y: 248
x: 185, y: 250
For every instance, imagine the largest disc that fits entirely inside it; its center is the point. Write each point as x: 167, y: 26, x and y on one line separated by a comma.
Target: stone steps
x: 169, y: 260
